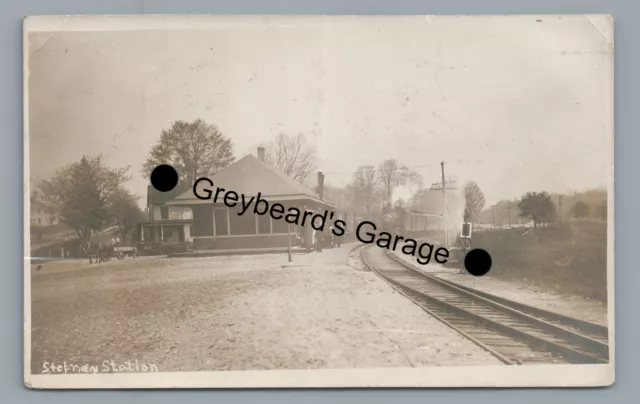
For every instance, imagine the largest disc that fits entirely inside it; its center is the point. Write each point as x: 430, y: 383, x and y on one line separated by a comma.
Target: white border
x: 450, y: 376
x: 468, y: 376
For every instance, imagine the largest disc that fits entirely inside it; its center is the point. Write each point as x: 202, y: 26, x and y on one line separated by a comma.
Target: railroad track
x: 512, y: 332
x: 355, y: 259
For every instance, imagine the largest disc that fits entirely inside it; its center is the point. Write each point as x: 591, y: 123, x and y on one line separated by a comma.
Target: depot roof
x: 250, y: 176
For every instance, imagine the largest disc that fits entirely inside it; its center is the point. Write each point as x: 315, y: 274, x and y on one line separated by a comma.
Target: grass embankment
x: 571, y: 258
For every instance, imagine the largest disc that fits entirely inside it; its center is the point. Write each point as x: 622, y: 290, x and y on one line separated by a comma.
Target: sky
x: 516, y: 104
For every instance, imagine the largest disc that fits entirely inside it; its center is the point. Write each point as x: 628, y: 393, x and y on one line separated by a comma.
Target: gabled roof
x: 36, y: 202
x: 250, y: 176
x: 155, y: 197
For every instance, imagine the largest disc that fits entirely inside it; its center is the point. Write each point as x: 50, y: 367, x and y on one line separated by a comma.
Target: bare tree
x: 364, y: 187
x: 195, y: 149
x: 474, y: 200
x: 292, y: 155
x: 336, y: 195
x: 392, y: 175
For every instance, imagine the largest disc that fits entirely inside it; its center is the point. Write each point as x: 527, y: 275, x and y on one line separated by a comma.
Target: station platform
x: 238, y: 251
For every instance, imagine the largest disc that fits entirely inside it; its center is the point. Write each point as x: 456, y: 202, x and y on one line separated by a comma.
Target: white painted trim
x: 240, y: 235
x: 215, y: 230
x: 302, y: 198
x: 295, y: 228
x: 255, y: 221
x: 246, y: 235
x: 270, y: 226
x: 254, y: 235
x: 213, y: 219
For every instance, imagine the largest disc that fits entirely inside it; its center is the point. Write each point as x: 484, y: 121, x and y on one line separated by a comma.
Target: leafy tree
x: 125, y: 211
x: 392, y: 175
x: 292, y: 155
x: 474, y: 200
x: 364, y: 187
x: 195, y: 149
x: 592, y: 197
x: 580, y: 210
x: 81, y: 192
x: 538, y: 206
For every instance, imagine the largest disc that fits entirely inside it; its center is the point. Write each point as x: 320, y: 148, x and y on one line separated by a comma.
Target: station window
x: 264, y: 224
x: 280, y: 226
x: 221, y: 222
x: 241, y: 225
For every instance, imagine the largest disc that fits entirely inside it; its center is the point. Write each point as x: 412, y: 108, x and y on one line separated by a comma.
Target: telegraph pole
x: 493, y: 209
x: 289, y: 237
x: 559, y: 208
x: 444, y: 186
x: 444, y: 208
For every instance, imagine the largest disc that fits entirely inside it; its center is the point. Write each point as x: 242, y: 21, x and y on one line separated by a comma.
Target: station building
x: 218, y: 227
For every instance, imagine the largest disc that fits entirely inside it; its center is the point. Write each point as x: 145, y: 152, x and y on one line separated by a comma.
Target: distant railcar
x: 400, y: 221
x: 416, y: 222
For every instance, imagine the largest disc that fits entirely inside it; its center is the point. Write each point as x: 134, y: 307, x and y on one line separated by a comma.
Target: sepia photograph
x: 318, y: 201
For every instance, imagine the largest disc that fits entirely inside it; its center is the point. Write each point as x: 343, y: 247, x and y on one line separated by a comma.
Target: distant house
x: 217, y: 227
x: 169, y: 224
x: 43, y: 215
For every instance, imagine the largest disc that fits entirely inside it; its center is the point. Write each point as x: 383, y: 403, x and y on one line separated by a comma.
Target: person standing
x: 319, y: 240
x: 332, y: 237
x: 308, y: 237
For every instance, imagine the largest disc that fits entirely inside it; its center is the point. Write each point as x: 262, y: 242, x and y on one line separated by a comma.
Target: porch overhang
x: 268, y: 198
x: 165, y: 222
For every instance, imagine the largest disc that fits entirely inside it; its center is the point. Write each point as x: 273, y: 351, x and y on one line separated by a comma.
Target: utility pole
x: 493, y: 209
x: 559, y: 208
x: 444, y: 208
x: 444, y: 186
x: 289, y: 236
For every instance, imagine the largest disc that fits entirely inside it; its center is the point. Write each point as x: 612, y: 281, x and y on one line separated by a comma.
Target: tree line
x: 543, y: 208
x: 88, y: 195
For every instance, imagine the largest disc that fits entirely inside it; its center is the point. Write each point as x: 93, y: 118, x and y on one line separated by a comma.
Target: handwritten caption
x: 107, y: 366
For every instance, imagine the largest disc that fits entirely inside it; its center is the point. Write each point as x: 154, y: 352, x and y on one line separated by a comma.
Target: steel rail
x: 584, y: 349
x: 597, y: 346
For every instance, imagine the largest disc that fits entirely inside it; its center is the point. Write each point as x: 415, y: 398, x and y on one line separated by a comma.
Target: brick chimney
x: 261, y: 153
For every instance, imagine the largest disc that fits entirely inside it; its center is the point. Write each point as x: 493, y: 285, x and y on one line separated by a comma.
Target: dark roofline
x: 268, y: 198
x: 303, y: 189
x: 165, y: 222
x: 307, y: 191
x: 423, y: 212
x: 155, y: 197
